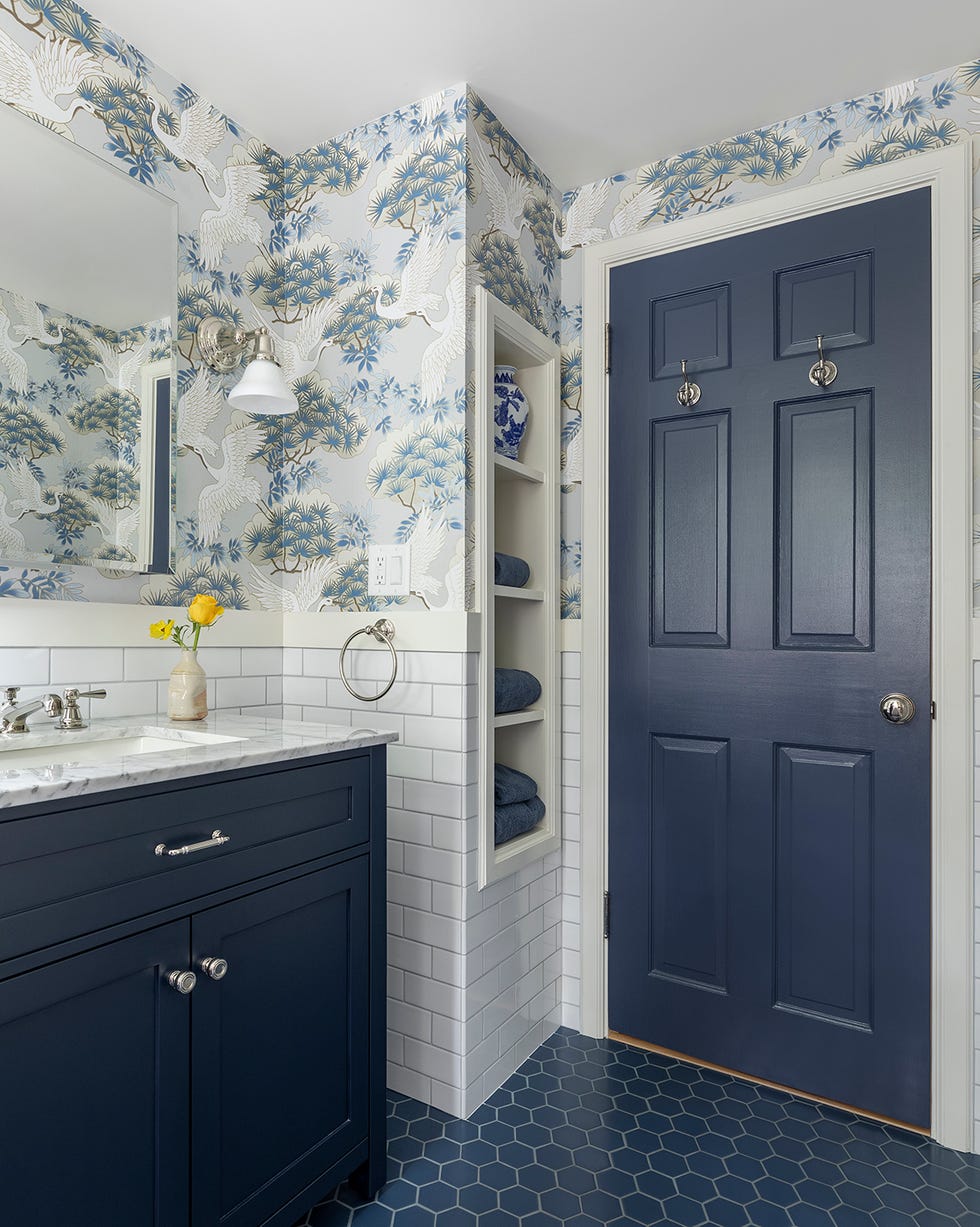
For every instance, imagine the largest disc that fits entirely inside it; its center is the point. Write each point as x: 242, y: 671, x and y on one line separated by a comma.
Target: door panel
x: 832, y: 298
x: 824, y: 531
x: 694, y: 326
x: 770, y: 580
x: 690, y: 530
x: 689, y: 869
x: 93, y: 1082
x: 280, y: 1067
x: 824, y: 886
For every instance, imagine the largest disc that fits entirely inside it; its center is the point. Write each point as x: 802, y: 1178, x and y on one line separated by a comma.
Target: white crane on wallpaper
x: 231, y: 224
x: 579, y: 229
x: 30, y: 498
x: 33, y: 325
x: 34, y: 82
x: 506, y: 202
x: 632, y: 211
x: 196, y: 412
x: 200, y: 131
x: 118, y: 528
x: 12, y: 543
x: 234, y: 484
x: 300, y: 353
x: 13, y: 366
x: 427, y: 542
x: 121, y: 367
x: 415, y: 294
x: 306, y: 597
x: 450, y: 345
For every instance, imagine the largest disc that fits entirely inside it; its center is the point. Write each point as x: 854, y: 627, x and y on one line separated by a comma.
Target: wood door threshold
x: 775, y: 1086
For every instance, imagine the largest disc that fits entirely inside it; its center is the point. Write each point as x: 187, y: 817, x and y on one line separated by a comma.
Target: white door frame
x: 948, y: 174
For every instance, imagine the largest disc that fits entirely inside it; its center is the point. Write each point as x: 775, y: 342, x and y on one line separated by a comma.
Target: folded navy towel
x: 510, y: 571
x: 509, y: 821
x: 510, y: 785
x: 514, y: 689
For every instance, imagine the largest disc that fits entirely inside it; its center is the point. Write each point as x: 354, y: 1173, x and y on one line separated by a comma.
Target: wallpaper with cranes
x: 924, y: 114
x: 65, y: 69
x: 70, y: 466
x: 360, y: 254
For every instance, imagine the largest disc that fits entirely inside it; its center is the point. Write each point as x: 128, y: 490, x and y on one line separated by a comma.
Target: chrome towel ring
x: 384, y: 631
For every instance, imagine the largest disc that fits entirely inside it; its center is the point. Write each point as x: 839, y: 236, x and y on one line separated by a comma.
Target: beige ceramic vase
x: 187, y: 696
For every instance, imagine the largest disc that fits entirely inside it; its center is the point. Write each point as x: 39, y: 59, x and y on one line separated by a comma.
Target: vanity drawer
x: 94, y: 864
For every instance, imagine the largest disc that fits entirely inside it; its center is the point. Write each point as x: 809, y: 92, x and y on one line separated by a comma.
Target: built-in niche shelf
x: 519, y: 594
x: 530, y: 716
x: 510, y: 469
x: 517, y: 513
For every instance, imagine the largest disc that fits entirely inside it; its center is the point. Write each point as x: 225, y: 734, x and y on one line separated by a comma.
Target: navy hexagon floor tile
x: 593, y: 1133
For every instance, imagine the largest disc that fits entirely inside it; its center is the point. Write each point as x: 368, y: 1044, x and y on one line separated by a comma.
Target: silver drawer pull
x: 216, y: 840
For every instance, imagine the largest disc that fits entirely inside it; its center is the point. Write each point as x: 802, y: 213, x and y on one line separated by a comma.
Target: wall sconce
x: 263, y: 387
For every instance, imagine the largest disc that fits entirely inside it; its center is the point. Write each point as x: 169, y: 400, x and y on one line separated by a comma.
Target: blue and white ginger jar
x: 510, y: 412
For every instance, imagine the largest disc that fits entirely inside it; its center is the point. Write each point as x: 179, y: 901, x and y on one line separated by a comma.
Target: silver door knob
x: 217, y: 969
x: 182, y: 981
x: 898, y: 708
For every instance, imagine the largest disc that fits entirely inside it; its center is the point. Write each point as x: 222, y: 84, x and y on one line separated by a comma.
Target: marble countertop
x: 70, y: 765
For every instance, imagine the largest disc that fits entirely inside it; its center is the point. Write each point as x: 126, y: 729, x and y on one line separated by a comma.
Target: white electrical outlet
x: 388, y: 570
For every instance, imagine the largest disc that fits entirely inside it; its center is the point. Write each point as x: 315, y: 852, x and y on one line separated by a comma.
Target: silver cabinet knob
x: 897, y: 708
x: 182, y: 981
x: 217, y: 969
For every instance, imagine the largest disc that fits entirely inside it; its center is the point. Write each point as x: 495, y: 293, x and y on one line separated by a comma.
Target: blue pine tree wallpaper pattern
x: 361, y: 255
x: 71, y: 483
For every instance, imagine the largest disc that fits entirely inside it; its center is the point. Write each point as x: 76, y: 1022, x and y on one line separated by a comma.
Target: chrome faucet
x: 13, y: 715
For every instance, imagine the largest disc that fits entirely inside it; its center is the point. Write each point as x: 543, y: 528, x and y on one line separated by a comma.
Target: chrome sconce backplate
x: 222, y: 345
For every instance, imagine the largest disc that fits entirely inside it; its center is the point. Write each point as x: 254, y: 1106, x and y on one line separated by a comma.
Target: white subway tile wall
x: 474, y: 978
x: 245, y: 680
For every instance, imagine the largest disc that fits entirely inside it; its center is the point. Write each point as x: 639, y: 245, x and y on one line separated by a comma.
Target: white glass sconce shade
x: 263, y: 389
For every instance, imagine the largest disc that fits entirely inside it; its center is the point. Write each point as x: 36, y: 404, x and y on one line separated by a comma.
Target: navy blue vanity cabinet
x: 94, y: 1089
x: 280, y: 1041
x: 240, y: 1095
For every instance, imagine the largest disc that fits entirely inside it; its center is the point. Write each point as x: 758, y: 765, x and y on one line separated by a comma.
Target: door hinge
x: 605, y: 914
x: 932, y: 709
x: 609, y: 349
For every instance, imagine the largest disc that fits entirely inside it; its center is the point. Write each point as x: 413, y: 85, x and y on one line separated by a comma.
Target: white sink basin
x: 76, y: 747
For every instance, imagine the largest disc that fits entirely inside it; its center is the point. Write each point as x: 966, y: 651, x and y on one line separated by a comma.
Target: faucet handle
x: 72, y: 718
x: 10, y: 694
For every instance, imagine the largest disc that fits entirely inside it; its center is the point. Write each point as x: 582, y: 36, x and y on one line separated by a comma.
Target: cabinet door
x: 94, y: 1088
x: 279, y: 1043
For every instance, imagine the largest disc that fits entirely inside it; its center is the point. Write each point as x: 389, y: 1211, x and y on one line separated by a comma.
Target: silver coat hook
x: 688, y: 394
x: 824, y: 371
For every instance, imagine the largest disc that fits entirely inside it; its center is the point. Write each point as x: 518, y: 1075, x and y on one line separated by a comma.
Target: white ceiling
x: 588, y: 87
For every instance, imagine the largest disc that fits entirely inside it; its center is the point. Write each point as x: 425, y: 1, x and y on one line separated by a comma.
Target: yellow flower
x: 204, y: 610
x: 162, y: 629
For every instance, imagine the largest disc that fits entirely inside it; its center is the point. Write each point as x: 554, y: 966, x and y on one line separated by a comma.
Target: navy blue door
x: 280, y: 1074
x: 770, y: 583
x: 94, y: 1090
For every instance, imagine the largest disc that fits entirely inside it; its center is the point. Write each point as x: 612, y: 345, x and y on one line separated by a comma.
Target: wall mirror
x: 88, y: 268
